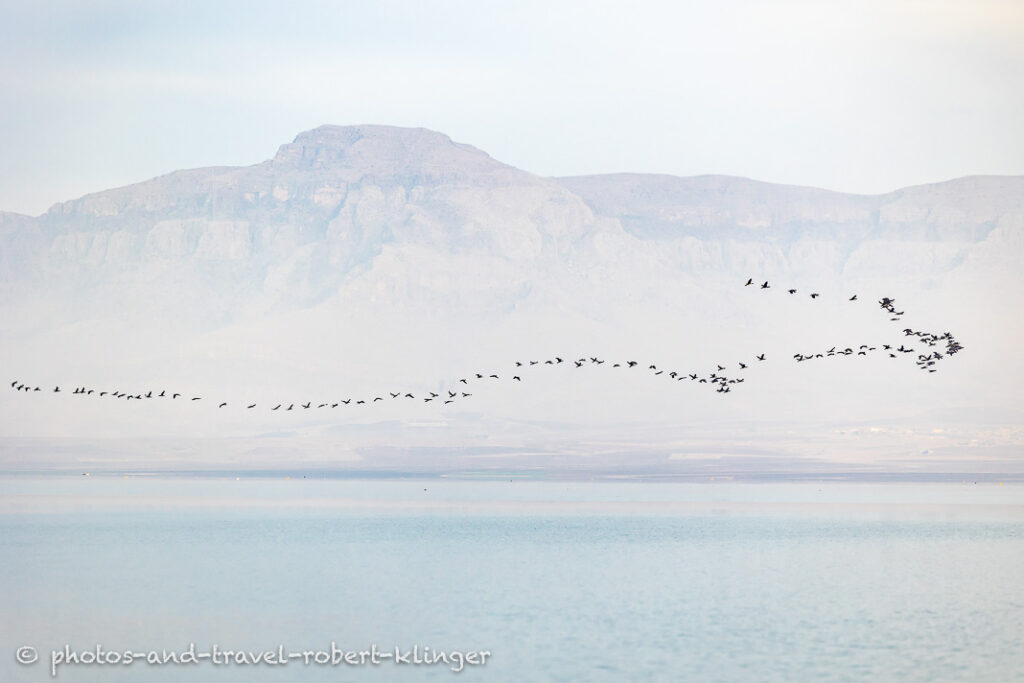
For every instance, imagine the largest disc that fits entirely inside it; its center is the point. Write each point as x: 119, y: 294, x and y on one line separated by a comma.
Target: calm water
x: 560, y: 582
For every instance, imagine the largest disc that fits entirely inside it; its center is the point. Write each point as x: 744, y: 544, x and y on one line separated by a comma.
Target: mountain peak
x: 330, y: 135
x: 370, y: 146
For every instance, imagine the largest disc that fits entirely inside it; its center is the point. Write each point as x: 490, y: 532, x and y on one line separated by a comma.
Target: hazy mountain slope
x: 933, y: 226
x: 288, y: 232
x: 363, y: 260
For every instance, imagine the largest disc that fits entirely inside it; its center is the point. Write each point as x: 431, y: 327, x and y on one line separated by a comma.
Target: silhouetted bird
x: 222, y: 405
x: 815, y: 295
x: 765, y: 285
x: 749, y: 282
x: 853, y: 298
x: 792, y: 291
x: 516, y: 377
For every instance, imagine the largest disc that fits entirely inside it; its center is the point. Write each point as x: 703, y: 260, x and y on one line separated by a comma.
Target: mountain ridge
x: 328, y: 137
x: 361, y: 257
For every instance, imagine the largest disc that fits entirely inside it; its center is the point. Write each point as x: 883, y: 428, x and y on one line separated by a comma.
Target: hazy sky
x: 860, y: 96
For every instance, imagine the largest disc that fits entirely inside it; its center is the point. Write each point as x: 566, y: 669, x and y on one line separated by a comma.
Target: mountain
x: 361, y: 260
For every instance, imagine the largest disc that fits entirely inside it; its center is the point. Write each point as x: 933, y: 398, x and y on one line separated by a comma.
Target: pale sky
x: 859, y: 96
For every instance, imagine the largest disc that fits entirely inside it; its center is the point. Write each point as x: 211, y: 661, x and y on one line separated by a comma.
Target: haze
x: 859, y: 97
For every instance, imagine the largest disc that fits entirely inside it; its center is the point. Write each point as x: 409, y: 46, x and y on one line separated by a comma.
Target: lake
x: 555, y: 581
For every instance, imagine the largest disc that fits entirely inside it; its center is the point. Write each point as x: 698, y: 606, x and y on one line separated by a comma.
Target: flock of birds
x: 722, y: 379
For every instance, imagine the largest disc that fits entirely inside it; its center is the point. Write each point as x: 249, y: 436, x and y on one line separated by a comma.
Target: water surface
x: 558, y: 580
